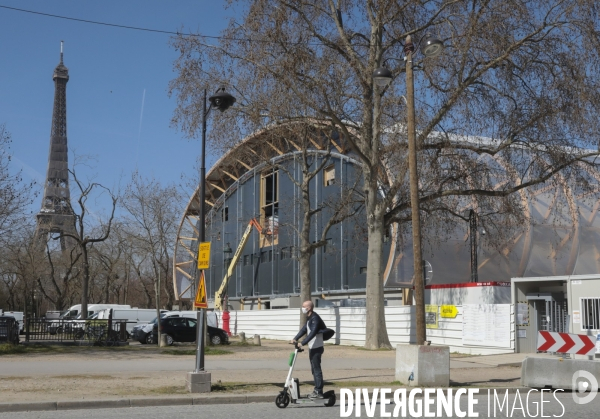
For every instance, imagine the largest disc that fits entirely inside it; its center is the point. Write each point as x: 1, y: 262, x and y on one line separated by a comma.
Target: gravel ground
x: 57, y: 386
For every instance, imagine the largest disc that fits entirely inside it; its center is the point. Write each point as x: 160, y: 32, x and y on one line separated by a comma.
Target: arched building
x: 242, y: 185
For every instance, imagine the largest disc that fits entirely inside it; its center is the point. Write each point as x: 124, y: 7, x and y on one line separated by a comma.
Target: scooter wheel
x: 282, y: 400
x: 331, y: 401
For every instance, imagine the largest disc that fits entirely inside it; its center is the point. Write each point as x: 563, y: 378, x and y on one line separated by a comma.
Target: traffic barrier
x: 537, y: 372
x: 566, y: 343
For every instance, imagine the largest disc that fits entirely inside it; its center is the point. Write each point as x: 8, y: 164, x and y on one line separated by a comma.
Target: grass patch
x: 240, y: 343
x: 9, y: 349
x: 207, y: 351
x: 243, y: 387
x: 169, y: 390
x: 361, y: 384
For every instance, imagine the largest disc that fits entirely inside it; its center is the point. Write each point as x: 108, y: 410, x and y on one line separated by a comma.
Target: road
x: 566, y: 409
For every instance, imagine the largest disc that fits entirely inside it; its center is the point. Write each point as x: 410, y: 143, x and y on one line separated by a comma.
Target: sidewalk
x: 149, y: 376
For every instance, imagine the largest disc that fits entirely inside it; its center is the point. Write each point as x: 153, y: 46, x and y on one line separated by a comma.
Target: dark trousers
x: 315, y: 367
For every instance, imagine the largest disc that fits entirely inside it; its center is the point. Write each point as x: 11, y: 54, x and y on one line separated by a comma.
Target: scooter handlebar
x: 297, y: 346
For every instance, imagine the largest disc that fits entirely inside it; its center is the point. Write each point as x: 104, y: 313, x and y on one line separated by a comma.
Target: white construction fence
x: 478, y: 329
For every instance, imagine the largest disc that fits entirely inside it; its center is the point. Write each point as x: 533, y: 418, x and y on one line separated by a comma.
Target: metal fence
x: 89, y: 332
x: 7, y: 331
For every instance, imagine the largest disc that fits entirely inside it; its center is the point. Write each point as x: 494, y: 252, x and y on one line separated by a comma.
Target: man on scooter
x: 314, y: 338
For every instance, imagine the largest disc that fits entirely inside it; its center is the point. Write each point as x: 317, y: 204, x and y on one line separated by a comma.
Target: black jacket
x: 316, y: 326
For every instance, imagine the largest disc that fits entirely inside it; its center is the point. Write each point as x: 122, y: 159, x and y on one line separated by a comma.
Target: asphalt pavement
x: 513, y: 406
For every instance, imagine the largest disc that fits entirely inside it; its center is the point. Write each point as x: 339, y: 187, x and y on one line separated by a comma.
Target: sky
x: 118, y: 109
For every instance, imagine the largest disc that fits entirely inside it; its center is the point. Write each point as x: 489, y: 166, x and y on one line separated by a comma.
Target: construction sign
x: 200, y: 301
x: 203, y: 255
x: 431, y: 316
x: 448, y: 311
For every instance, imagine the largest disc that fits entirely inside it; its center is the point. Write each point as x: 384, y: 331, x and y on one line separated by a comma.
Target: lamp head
x: 227, y: 249
x: 221, y: 100
x: 432, y: 46
x: 382, y: 76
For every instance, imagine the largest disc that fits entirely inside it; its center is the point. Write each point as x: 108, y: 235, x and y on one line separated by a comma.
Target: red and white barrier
x: 566, y: 343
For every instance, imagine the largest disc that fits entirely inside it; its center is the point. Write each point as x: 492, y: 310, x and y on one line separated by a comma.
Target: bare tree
x: 15, y: 195
x: 508, y: 74
x: 56, y: 280
x: 151, y: 227
x: 20, y: 265
x: 82, y: 239
x: 312, y: 162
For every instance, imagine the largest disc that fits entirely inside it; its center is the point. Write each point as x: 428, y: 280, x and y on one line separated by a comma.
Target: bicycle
x: 98, y: 335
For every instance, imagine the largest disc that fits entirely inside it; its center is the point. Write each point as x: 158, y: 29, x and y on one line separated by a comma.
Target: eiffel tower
x: 56, y: 214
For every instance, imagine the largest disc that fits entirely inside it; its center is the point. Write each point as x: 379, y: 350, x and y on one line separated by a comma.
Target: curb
x: 141, y: 402
x: 175, y: 401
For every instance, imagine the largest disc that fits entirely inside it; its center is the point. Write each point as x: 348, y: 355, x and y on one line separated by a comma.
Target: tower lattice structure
x: 56, y: 215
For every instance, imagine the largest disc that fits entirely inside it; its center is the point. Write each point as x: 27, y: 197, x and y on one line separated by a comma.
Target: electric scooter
x: 291, y: 388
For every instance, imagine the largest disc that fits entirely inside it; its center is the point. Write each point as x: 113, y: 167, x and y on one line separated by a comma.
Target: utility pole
x: 414, y: 195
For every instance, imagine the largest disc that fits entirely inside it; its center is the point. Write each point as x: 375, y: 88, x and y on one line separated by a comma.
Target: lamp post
x: 382, y: 76
x: 221, y: 100
x: 473, y: 243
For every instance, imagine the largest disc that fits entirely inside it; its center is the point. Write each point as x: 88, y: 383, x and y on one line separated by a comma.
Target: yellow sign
x: 449, y: 312
x: 203, y: 255
x: 200, y: 301
x: 431, y: 316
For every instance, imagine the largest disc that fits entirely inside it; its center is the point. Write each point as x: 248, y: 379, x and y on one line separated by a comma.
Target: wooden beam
x: 296, y: 146
x: 243, y: 164
x: 317, y: 145
x: 230, y: 175
x: 187, y: 288
x: 184, y: 273
x: 214, y: 185
x: 336, y: 145
x: 222, y: 180
x: 192, y: 254
x: 188, y: 238
x: 193, y: 226
x: 185, y: 263
x: 275, y: 148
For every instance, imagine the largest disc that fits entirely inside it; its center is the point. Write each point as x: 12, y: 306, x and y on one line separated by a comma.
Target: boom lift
x: 220, y: 294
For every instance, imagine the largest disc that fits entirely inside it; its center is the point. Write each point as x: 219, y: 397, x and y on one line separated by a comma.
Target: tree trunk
x: 85, y: 282
x: 305, y: 254
x: 376, y: 332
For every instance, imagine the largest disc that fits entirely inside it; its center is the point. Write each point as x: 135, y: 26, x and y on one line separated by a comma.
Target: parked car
x: 182, y: 329
x: 9, y: 330
x: 143, y: 332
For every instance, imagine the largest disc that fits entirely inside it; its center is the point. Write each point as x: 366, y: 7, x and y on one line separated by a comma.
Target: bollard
x: 163, y: 340
x: 257, y: 340
x: 242, y: 337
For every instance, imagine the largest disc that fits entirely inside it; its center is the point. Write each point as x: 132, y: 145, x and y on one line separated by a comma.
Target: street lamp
x: 221, y: 100
x: 473, y: 243
x: 382, y: 77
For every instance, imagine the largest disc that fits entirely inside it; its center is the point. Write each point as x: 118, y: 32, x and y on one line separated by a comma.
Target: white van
x: 133, y: 316
x: 74, y: 312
